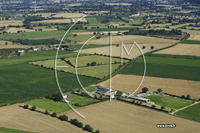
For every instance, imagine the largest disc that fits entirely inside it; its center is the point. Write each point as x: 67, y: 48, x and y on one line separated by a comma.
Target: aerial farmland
x: 99, y: 66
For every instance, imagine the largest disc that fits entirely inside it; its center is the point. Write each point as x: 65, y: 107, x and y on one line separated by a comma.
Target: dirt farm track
x: 120, y: 117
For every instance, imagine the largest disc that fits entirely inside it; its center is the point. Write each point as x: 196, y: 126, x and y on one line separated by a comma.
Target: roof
x: 104, y: 90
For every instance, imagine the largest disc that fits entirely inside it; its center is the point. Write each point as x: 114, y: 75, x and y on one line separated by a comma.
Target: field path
x: 184, y: 107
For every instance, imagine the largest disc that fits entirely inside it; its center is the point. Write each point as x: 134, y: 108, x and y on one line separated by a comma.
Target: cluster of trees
x: 92, y: 64
x: 164, y: 32
x: 145, y: 89
x: 56, y: 97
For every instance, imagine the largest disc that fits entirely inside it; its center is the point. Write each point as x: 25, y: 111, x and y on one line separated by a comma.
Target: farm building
x: 106, y: 92
x: 36, y: 49
x: 20, y: 52
x: 135, y: 97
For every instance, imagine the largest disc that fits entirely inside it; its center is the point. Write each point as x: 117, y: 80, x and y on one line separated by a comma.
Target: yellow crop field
x: 16, y: 117
x: 69, y: 15
x: 182, y: 49
x: 120, y: 117
x: 194, y: 37
x: 82, y: 20
x: 172, y: 86
x: 13, y: 46
x: 10, y: 22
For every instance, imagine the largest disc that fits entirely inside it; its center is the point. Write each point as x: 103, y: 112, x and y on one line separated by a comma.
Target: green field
x: 8, y: 130
x: 190, y: 112
x: 99, y: 71
x: 92, y: 20
x: 38, y: 55
x: 90, y: 89
x: 82, y: 101
x: 136, y: 21
x: 50, y: 105
x: 24, y: 82
x: 171, y: 61
x: 157, y: 69
x: 60, y: 107
x: 88, y: 46
x: 191, y: 42
x: 171, y: 102
x: 83, y: 60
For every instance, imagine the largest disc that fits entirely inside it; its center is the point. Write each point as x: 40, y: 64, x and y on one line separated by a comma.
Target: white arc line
x: 56, y: 69
x: 76, y: 66
x: 144, y: 67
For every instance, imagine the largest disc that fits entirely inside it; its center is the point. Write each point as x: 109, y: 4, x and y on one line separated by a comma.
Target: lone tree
x: 88, y: 64
x: 188, y: 96
x: 25, y: 106
x: 88, y: 128
x: 144, y: 90
x: 143, y: 47
x: 75, y: 35
x: 33, y: 108
x: 152, y: 47
x: 54, y: 114
x: 162, y: 107
x: 93, y: 64
x: 159, y: 90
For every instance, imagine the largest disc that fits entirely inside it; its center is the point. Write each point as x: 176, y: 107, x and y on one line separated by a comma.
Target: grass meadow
x: 50, y: 105
x: 171, y: 102
x: 190, y: 112
x: 168, y: 70
x: 8, y: 130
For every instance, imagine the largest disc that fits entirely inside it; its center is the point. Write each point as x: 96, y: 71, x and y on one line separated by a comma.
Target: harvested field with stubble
x: 68, y: 15
x: 194, y: 37
x: 182, y: 49
x: 10, y: 22
x: 13, y: 46
x: 129, y: 83
x: 76, y: 19
x: 14, y: 30
x: 128, y: 41
x: 120, y: 117
x: 16, y: 117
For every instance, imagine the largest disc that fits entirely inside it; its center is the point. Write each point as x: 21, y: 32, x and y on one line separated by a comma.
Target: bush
x: 33, y: 108
x: 63, y: 118
x: 80, y: 124
x: 162, y: 107
x: 153, y: 106
x: 97, y: 131
x: 182, y: 96
x: 54, y: 114
x: 46, y: 112
x: 144, y: 90
x: 188, y: 96
x: 88, y: 128
x: 26, y: 106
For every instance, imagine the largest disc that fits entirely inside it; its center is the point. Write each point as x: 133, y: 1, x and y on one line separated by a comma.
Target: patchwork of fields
x: 171, y: 69
x: 128, y: 40
x: 25, y: 82
x: 100, y: 71
x: 108, y: 116
x: 129, y: 83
